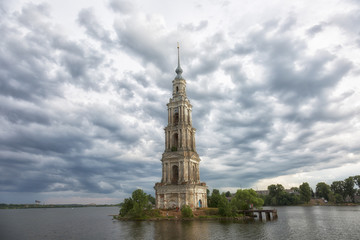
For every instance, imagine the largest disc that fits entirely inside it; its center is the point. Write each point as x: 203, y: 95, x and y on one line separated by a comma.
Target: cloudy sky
x: 84, y: 85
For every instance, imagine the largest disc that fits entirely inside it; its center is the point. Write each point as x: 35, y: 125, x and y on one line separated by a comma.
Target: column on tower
x: 183, y: 139
x: 194, y: 144
x: 163, y: 173
x: 171, y: 116
x: 187, y: 138
x: 190, y: 117
x: 168, y: 147
x: 180, y: 172
x: 189, y: 171
x: 180, y: 113
x: 185, y: 113
x: 168, y: 115
x: 168, y: 173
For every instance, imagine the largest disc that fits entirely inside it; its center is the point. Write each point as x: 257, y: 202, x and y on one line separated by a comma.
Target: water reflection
x: 180, y: 230
x: 293, y: 223
x: 94, y: 223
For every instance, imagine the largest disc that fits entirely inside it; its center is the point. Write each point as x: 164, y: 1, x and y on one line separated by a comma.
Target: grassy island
x: 138, y: 207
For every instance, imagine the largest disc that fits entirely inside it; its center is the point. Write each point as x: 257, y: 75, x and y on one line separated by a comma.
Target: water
x: 95, y: 223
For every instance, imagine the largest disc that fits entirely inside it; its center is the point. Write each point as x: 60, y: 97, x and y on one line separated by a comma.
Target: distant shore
x: 25, y: 206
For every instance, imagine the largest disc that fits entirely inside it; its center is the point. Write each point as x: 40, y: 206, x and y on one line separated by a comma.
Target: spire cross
x: 178, y: 47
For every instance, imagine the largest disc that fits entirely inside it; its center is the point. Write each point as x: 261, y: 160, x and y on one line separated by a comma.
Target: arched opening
x: 175, y: 142
x: 175, y: 174
x: 176, y: 118
x: 177, y: 89
x: 191, y: 141
x: 200, y: 203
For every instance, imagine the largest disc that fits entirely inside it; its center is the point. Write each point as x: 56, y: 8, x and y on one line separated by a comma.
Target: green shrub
x: 153, y: 213
x: 186, y: 212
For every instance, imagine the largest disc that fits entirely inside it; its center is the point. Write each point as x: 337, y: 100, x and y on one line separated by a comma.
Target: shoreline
x: 219, y: 218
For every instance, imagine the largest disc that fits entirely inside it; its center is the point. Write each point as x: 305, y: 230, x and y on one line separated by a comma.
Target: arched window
x: 176, y: 118
x: 175, y: 174
x: 177, y: 89
x: 175, y: 140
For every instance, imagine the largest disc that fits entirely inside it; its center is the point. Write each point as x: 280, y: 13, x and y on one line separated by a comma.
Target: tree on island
x: 242, y: 200
x: 338, y: 188
x: 323, y: 190
x: 136, y: 205
x: 305, y: 192
x: 214, y: 199
x: 226, y: 209
x: 349, y: 189
x: 246, y: 199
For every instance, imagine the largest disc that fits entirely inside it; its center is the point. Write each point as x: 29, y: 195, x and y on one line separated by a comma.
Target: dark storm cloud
x: 121, y: 6
x: 88, y: 20
x: 249, y: 127
x: 143, y: 39
x: 23, y: 112
x: 24, y: 79
x: 28, y: 60
x: 315, y: 30
x: 348, y: 20
x: 207, y: 65
x: 313, y: 78
x: 52, y: 143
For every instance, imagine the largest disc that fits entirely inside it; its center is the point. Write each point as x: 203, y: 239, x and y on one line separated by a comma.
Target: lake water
x: 318, y: 222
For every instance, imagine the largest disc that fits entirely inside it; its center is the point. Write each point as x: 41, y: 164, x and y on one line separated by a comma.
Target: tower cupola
x: 179, y: 83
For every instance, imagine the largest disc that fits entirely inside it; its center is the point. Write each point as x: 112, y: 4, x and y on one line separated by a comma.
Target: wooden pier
x: 270, y: 214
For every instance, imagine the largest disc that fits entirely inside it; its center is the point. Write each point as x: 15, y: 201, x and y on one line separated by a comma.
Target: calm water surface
x: 95, y: 223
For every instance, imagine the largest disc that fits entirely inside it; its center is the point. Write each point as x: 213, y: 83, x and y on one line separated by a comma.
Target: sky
x: 84, y: 86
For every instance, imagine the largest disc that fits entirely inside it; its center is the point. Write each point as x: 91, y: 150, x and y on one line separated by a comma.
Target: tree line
x: 337, y: 192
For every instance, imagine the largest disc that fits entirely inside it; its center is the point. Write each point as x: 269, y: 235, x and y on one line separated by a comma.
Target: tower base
x: 174, y: 195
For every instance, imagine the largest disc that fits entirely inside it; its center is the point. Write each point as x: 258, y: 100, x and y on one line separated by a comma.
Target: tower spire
x: 178, y: 69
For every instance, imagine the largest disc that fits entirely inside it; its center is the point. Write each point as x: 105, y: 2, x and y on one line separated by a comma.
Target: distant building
x: 266, y: 192
x: 180, y: 183
x: 262, y: 192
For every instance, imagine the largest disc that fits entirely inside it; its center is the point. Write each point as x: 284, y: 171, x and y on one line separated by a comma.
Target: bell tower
x: 180, y: 183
